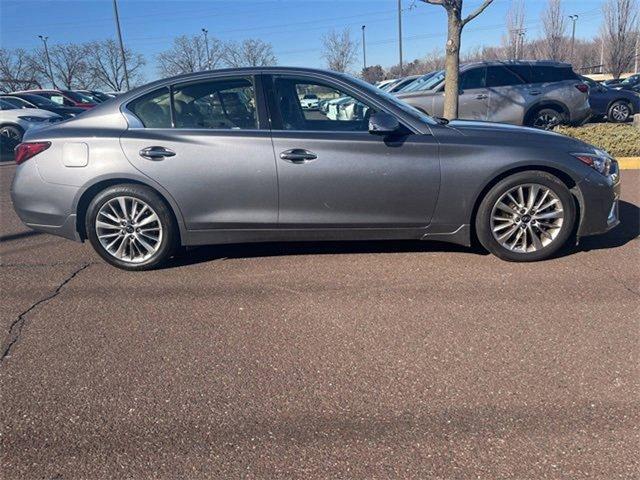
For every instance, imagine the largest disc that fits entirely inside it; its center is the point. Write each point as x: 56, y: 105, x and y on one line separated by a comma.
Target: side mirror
x: 382, y: 123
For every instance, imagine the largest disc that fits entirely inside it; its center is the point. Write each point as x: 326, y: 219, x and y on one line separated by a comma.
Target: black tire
x: 546, y: 118
x: 619, y: 112
x: 170, y: 234
x: 483, y: 216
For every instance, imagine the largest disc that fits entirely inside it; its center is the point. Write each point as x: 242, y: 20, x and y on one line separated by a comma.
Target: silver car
x: 232, y: 156
x: 539, y: 94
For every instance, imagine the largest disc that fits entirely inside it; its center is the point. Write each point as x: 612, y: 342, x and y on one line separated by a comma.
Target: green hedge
x: 618, y: 140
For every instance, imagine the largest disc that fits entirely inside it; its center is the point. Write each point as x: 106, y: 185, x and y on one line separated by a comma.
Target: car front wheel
x: 131, y: 227
x: 526, y: 217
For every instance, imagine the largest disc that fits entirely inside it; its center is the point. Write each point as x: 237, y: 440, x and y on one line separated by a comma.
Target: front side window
x: 335, y: 110
x: 475, y: 78
x: 216, y: 104
x: 153, y: 109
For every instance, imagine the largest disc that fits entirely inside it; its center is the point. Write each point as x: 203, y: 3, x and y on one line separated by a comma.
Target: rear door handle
x: 298, y: 155
x: 481, y: 96
x: 156, y: 153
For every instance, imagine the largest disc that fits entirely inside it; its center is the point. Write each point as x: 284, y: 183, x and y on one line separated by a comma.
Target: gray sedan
x: 232, y: 156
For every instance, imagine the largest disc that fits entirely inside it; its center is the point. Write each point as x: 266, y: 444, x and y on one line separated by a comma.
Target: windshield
x: 375, y: 91
x: 631, y: 80
x: 4, y: 105
x: 39, y: 101
x: 78, y: 97
x: 418, y: 84
x: 18, y: 102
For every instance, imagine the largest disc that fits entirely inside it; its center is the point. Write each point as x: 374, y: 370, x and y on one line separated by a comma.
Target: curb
x: 629, y: 163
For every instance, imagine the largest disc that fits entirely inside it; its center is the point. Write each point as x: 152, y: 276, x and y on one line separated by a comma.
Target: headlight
x: 599, y: 161
x: 32, y: 119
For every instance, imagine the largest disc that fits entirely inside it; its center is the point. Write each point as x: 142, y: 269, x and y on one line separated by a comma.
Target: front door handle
x: 298, y: 155
x: 481, y: 96
x: 156, y: 153
x: 534, y: 92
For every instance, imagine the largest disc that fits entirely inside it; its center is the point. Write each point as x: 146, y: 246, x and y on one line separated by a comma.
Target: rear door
x: 343, y: 175
x: 507, y: 102
x: 207, y: 143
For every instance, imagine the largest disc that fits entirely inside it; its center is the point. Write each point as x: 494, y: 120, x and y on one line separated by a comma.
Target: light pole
x: 124, y: 59
x: 46, y: 53
x: 364, y: 49
x: 400, y: 33
x: 206, y: 44
x: 574, y: 19
x: 519, y: 43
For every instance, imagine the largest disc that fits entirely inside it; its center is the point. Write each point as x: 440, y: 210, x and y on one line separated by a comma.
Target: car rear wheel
x: 131, y: 227
x: 546, y: 118
x: 526, y: 217
x: 619, y: 112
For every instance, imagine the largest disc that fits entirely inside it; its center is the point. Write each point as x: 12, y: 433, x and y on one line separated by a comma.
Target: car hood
x: 516, y: 135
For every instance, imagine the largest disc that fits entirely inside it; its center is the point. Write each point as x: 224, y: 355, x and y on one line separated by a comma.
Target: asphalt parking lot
x: 357, y: 360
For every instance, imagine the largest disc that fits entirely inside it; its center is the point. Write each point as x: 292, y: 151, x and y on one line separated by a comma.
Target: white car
x: 15, y: 121
x: 310, y: 101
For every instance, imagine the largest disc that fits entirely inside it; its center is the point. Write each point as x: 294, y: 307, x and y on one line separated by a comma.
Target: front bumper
x: 600, y: 199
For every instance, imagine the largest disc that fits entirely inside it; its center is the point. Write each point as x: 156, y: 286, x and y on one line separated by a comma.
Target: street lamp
x: 46, y: 52
x: 364, y: 49
x: 574, y: 19
x: 206, y: 44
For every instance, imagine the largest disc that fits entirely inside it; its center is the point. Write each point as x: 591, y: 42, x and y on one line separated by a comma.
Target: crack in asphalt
x: 15, y: 329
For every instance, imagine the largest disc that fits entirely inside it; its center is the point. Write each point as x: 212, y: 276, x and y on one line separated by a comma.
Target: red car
x: 67, y: 98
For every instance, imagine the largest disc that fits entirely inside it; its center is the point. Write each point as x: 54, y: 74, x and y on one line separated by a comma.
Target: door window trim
x: 275, y: 116
x: 261, y: 111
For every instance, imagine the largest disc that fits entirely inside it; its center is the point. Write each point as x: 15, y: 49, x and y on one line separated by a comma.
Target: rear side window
x: 552, y: 74
x: 228, y: 103
x: 153, y: 109
x: 475, y: 78
x: 500, y: 76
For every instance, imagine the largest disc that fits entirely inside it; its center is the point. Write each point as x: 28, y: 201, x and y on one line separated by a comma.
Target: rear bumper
x: 580, y: 115
x: 600, y: 198
x: 43, y: 206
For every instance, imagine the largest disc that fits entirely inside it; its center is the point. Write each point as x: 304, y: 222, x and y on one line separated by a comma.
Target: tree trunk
x: 452, y: 64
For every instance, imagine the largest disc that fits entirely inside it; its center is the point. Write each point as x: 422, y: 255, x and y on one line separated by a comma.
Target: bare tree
x: 105, y: 63
x: 249, y: 53
x: 513, y: 40
x: 620, y: 33
x: 17, y: 71
x: 189, y: 54
x: 554, y: 25
x: 68, y: 63
x: 339, y: 50
x: 373, y: 74
x: 455, y: 24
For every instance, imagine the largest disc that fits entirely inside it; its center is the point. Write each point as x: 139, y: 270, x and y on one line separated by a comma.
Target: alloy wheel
x: 527, y: 218
x: 547, y: 120
x: 620, y: 112
x: 128, y: 229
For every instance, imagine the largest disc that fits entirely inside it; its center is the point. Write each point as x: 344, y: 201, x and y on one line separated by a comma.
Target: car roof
x: 528, y: 63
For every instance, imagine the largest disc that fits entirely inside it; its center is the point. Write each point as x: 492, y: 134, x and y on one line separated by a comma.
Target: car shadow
x: 626, y: 231
x: 195, y: 255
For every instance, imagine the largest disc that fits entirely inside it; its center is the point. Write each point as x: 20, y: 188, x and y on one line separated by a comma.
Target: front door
x: 473, y: 101
x: 204, y: 142
x: 333, y: 173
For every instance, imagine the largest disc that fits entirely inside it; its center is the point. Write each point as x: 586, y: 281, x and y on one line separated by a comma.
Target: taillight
x: 25, y: 151
x: 583, y: 87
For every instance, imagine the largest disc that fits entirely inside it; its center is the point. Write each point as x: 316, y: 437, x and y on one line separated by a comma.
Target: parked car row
x: 540, y: 94
x: 42, y: 105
